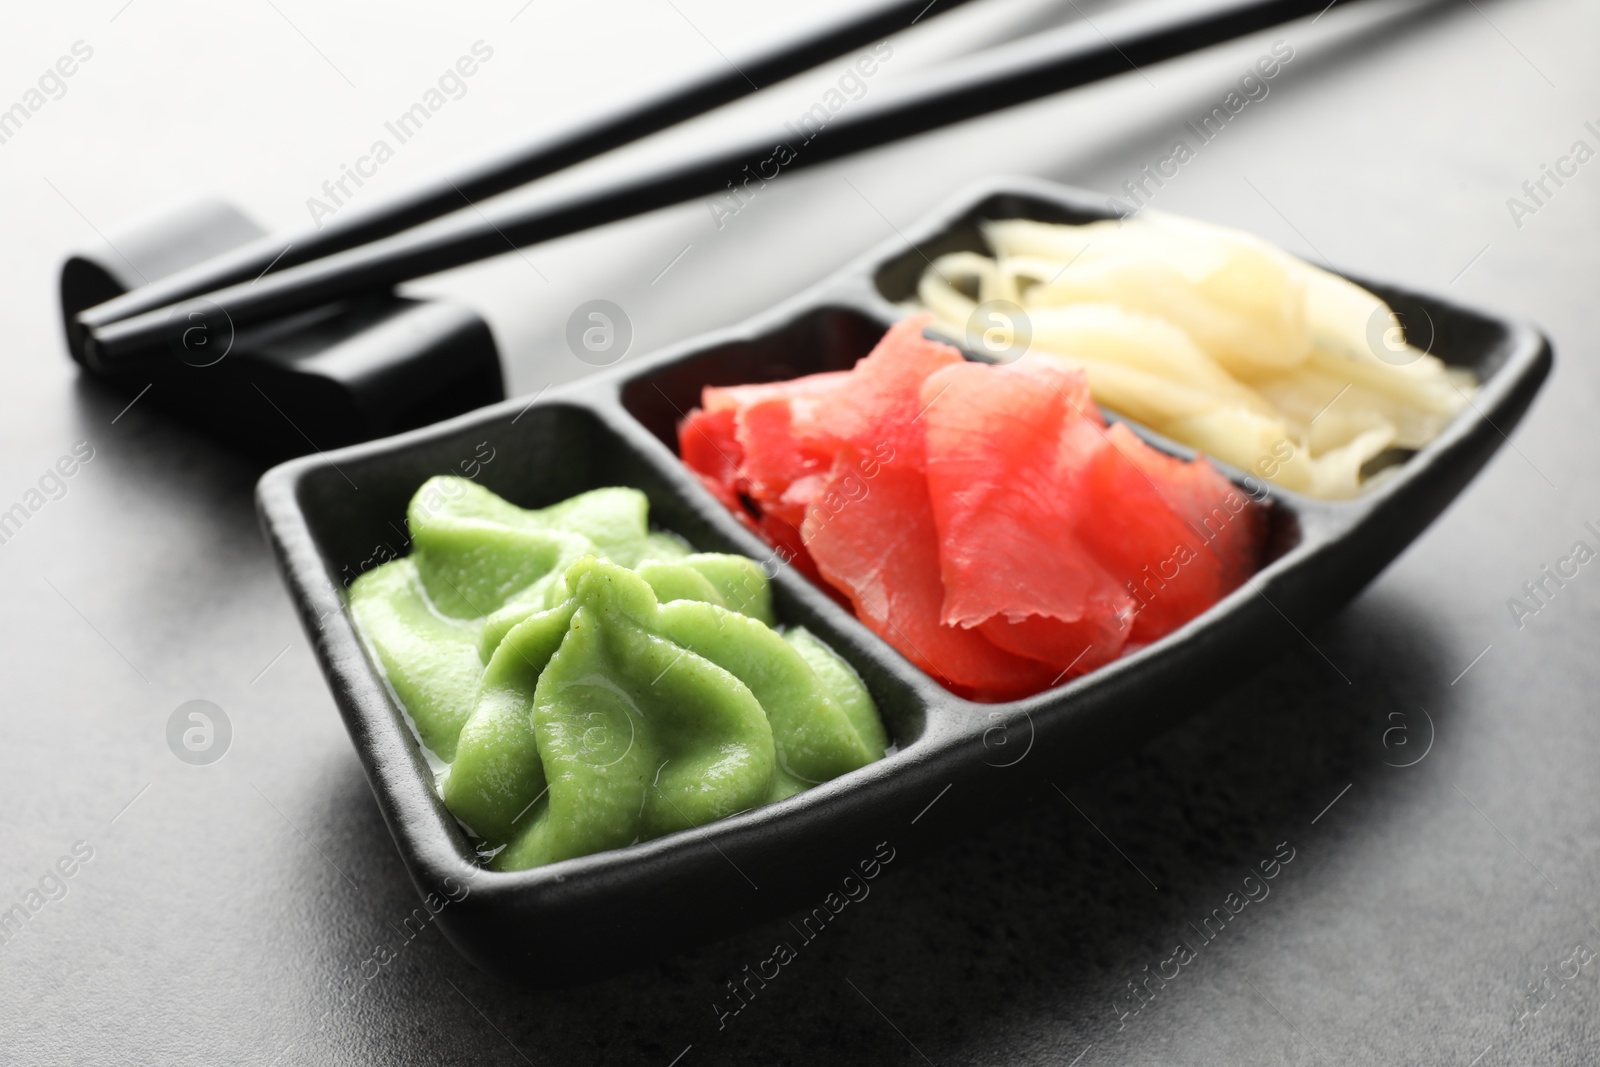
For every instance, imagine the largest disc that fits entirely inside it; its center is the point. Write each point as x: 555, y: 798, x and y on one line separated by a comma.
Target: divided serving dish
x: 954, y: 763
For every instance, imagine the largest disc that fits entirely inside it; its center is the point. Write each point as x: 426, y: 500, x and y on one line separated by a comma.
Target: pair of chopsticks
x: 378, y: 249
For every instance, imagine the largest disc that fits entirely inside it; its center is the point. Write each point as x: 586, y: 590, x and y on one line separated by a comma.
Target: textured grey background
x: 228, y: 910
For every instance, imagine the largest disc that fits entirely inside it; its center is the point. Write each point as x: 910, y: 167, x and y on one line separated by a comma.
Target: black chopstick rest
x: 330, y: 376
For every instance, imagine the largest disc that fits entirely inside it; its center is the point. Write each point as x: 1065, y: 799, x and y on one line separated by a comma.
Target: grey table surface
x: 232, y: 912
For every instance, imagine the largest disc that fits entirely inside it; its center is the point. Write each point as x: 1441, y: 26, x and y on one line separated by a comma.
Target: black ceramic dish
x: 957, y: 763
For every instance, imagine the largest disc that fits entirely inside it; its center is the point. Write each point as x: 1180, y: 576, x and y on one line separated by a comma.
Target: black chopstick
x: 527, y: 163
x: 1000, y: 77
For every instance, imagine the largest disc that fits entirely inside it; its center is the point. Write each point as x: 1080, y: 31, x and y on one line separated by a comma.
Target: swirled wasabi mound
x: 591, y: 683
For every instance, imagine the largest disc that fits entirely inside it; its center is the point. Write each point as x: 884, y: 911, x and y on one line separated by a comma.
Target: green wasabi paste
x: 591, y: 683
